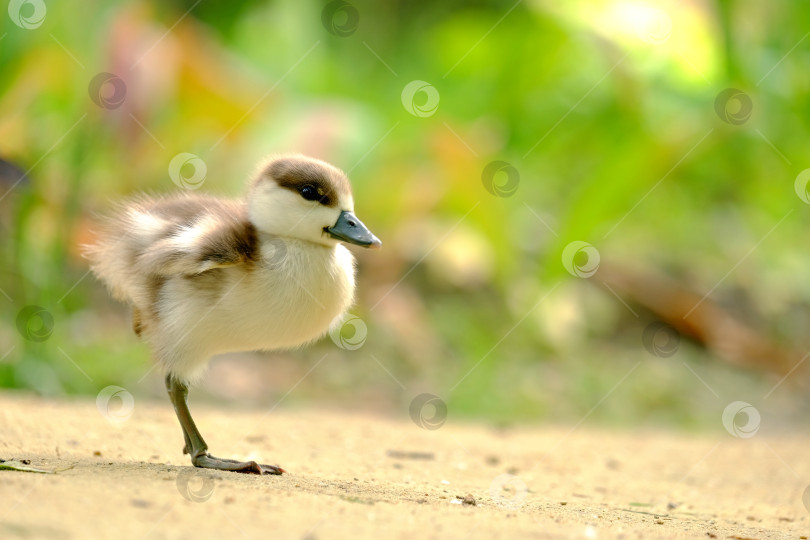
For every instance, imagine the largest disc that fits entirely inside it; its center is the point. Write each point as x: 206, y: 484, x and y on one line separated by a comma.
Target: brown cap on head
x: 296, y: 171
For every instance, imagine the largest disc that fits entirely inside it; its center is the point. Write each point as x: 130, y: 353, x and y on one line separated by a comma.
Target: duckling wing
x: 161, y: 238
x: 200, y: 234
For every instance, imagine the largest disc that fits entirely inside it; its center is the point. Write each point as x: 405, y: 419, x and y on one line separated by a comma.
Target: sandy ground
x: 359, y: 476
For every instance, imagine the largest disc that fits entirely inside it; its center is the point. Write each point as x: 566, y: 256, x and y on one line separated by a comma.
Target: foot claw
x: 207, y: 461
x: 272, y: 469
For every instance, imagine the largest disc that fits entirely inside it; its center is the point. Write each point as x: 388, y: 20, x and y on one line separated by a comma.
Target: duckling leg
x: 195, y: 445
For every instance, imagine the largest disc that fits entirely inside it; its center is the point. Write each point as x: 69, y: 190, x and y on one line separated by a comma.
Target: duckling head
x: 300, y: 197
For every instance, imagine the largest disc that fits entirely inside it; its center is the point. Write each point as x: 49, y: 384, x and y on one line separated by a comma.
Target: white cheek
x: 346, y: 202
x: 282, y: 212
x: 323, y: 216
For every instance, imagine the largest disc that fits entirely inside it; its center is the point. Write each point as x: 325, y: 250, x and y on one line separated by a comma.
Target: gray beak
x: 350, y: 229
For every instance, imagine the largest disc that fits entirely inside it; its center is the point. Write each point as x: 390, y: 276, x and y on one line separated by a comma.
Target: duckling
x: 206, y: 275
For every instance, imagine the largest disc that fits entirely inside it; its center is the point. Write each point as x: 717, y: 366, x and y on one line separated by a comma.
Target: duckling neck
x: 274, y: 244
x: 322, y: 275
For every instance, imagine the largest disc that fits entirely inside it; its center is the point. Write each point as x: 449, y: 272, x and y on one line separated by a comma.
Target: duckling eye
x: 309, y: 193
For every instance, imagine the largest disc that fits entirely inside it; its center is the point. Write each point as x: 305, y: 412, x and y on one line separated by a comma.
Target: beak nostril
x: 348, y: 228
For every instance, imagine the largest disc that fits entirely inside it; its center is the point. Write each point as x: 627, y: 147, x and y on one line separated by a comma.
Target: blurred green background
x: 615, y: 126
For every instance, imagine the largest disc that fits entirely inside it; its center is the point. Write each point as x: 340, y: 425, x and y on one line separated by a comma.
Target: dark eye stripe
x: 297, y: 174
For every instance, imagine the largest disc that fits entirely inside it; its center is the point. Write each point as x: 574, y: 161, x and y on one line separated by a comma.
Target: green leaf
x: 15, y: 465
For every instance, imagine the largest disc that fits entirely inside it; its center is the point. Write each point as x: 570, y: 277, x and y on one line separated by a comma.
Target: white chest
x: 288, y: 299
